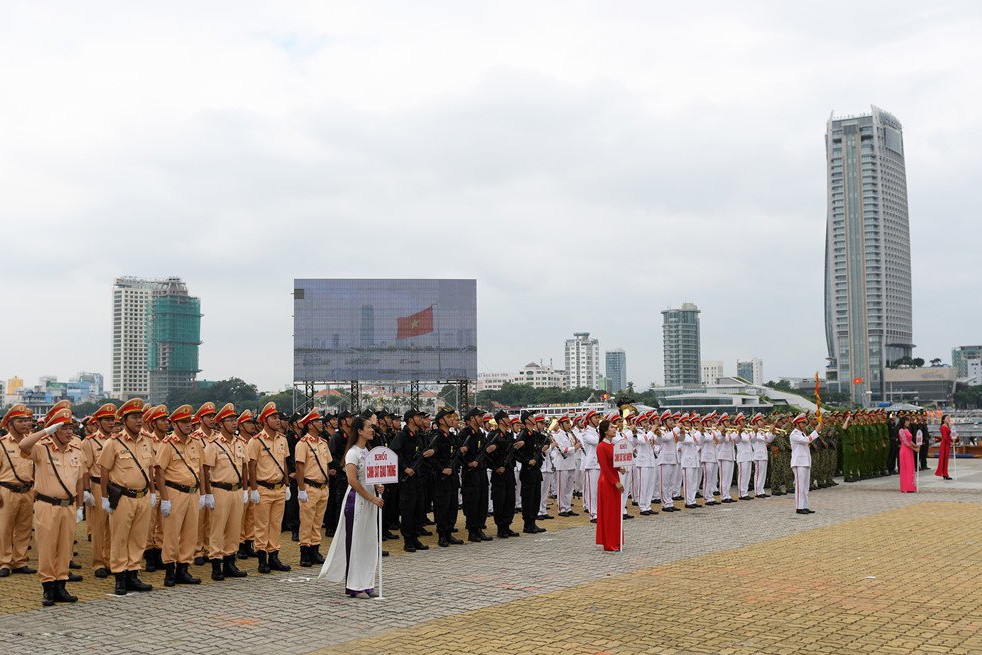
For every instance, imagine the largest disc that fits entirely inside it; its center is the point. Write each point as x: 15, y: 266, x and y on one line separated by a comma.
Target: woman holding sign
x: 353, y: 556
x: 609, y: 488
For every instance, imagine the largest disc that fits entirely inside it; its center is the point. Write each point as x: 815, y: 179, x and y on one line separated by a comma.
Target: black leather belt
x: 130, y: 493
x: 314, y: 484
x: 275, y: 486
x: 227, y: 486
x: 57, y: 502
x: 186, y: 488
x: 16, y: 488
x: 96, y: 479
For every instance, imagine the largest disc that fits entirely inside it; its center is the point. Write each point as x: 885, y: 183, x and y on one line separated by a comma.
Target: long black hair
x: 901, y: 422
x: 602, y: 428
x: 357, y: 425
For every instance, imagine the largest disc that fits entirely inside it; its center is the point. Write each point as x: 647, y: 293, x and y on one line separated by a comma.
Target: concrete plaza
x: 872, y: 571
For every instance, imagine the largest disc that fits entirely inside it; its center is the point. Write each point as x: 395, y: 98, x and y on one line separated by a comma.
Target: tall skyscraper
x: 583, y: 361
x: 680, y: 330
x: 867, y: 253
x: 615, y: 365
x: 156, y: 334
x: 751, y: 370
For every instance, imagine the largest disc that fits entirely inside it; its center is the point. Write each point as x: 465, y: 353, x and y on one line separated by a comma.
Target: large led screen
x: 375, y: 330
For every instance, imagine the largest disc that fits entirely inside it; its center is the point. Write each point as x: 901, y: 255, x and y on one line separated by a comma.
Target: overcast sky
x: 590, y: 163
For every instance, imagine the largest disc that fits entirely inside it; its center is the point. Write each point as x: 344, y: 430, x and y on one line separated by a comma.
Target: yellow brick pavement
x: 888, y: 583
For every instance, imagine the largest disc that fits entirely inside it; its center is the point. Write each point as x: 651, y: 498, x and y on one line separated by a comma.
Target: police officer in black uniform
x: 501, y: 461
x: 339, y: 481
x: 444, y: 466
x: 530, y: 456
x: 411, y: 449
x: 474, y: 478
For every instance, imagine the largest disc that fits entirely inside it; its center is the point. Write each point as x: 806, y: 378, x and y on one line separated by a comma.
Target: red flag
x: 857, y: 380
x: 416, y: 324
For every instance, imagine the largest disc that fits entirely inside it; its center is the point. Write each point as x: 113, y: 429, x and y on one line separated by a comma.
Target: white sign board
x: 623, y: 454
x: 381, y: 466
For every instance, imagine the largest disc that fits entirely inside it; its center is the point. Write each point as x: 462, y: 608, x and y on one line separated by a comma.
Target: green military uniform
x: 782, y: 479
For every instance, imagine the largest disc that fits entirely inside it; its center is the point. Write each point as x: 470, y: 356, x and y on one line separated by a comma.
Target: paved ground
x: 872, y: 571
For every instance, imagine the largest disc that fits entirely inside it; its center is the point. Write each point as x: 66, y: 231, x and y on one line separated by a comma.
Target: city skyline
x: 586, y: 141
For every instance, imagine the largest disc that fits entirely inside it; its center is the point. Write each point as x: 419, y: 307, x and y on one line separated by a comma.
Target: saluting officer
x: 58, y: 470
x: 221, y: 475
x: 16, y: 482
x: 177, y: 464
x: 267, y: 453
x: 125, y: 465
x: 313, y: 462
x: 104, y: 419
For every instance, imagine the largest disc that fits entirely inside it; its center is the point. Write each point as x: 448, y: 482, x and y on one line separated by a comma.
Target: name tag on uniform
x: 74, y: 461
x: 280, y: 448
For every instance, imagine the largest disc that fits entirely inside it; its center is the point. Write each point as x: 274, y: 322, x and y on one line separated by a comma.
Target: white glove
x: 254, y: 496
x: 288, y: 493
x: 79, y: 514
x: 301, y: 495
x: 51, y: 429
x: 201, y: 501
x: 106, y: 507
x: 88, y: 498
x: 153, y: 500
x: 165, y: 508
x: 210, y: 501
x: 245, y: 495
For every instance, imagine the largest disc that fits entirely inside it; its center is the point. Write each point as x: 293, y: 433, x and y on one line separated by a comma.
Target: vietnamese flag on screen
x: 857, y: 380
x: 416, y: 324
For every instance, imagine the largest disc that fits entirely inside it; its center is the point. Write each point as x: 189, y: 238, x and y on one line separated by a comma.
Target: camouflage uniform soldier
x: 782, y: 479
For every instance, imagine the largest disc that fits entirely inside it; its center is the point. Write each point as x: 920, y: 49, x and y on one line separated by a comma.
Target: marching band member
x: 744, y: 456
x: 726, y: 456
x: 762, y: 437
x: 626, y: 434
x: 645, y: 466
x: 707, y: 457
x: 564, y: 461
x: 589, y: 438
x: 801, y: 462
x: 548, y: 468
x: 667, y: 460
x: 690, y: 461
x: 677, y: 474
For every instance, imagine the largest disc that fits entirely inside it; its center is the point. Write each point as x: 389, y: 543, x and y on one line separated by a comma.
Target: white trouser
x: 578, y: 481
x: 644, y: 484
x: 547, y: 477
x: 691, y: 484
x: 725, y: 478
x: 709, y: 480
x: 564, y: 490
x: 626, y: 483
x: 655, y: 484
x: 667, y: 474
x: 591, y: 477
x: 518, y: 487
x: 677, y: 481
x: 760, y: 476
x: 802, y: 480
x: 743, y: 478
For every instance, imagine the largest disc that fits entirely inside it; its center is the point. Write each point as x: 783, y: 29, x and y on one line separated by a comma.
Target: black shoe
x: 801, y: 511
x: 454, y: 541
x: 263, y: 561
x: 230, y: 570
x: 540, y: 529
x: 646, y: 512
x: 24, y: 570
x: 183, y: 575
x: 315, y: 555
x: 676, y: 497
x: 48, y: 593
x: 329, y: 532
x: 389, y: 535
x: 216, y: 570
x: 728, y: 500
x: 809, y: 511
x: 62, y: 595
x: 691, y: 506
x: 423, y: 532
x: 249, y: 550
x: 120, y: 584
x: 170, y: 570
x: 947, y: 477
x: 73, y: 577
x: 134, y: 583
x: 711, y: 502
x: 484, y: 536
x: 73, y: 565
x: 101, y: 572
x: 698, y: 495
x: 502, y: 534
x: 275, y: 564
x: 419, y: 545
x: 572, y: 513
x: 545, y: 517
x: 761, y: 496
x: 5, y: 573
x: 444, y: 542
x: 454, y: 530
x: 472, y: 535
x: 385, y: 553
x: 295, y: 535
x: 409, y: 548
x: 305, y: 561
x: 673, y: 508
x: 151, y: 563
x: 593, y: 520
x: 199, y: 561
x: 530, y: 529
x: 745, y: 498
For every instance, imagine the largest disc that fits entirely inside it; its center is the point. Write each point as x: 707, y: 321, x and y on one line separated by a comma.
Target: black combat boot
x: 120, y: 584
x: 305, y: 557
x: 134, y: 583
x: 230, y: 569
x: 169, y: 574
x: 62, y: 595
x: 151, y: 561
x: 47, y: 594
x: 217, y: 574
x: 184, y: 576
x: 315, y: 555
x: 472, y: 535
x: 275, y: 564
x: 263, y: 561
x: 250, y: 549
x: 199, y: 560
x: 484, y: 536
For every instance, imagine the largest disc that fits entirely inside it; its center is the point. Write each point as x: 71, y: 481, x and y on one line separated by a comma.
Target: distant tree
x: 936, y: 362
x: 233, y: 390
x: 780, y: 385
x: 82, y: 410
x: 917, y: 362
x: 967, y: 397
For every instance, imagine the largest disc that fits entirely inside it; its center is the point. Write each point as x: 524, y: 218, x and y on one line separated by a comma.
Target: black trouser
x: 334, y: 501
x: 411, y: 508
x: 531, y: 480
x: 291, y: 512
x: 390, y: 510
x: 475, y: 492
x: 445, y: 489
x: 503, y: 497
x: 923, y: 453
x: 893, y: 456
